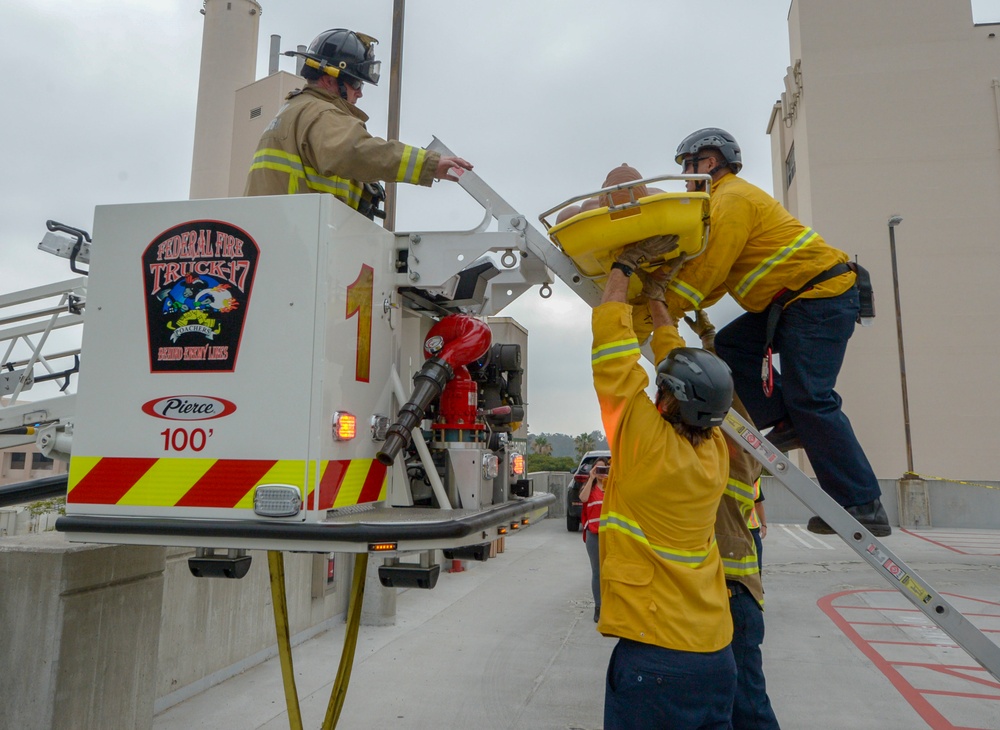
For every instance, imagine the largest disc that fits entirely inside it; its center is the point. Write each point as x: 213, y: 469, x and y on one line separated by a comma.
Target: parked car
x: 580, y: 474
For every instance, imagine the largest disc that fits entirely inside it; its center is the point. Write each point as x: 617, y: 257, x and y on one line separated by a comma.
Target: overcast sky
x: 542, y: 96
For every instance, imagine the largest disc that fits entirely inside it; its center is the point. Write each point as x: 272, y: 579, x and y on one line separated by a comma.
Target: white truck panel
x: 201, y: 408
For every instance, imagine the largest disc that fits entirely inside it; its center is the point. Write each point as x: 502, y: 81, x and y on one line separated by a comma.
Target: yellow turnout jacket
x: 662, y: 579
x: 756, y: 250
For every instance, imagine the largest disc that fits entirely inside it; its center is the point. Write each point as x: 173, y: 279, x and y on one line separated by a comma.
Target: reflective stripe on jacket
x: 318, y: 143
x: 756, y: 249
x: 662, y: 579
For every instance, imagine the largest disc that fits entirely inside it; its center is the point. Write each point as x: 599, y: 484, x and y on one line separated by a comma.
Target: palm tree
x: 541, y: 446
x: 584, y: 443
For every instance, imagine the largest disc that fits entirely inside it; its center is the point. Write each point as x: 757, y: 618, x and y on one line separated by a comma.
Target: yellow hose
x: 276, y: 565
x: 339, y: 692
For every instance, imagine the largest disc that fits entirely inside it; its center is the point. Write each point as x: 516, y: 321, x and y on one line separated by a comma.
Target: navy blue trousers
x: 752, y: 708
x: 652, y: 688
x: 812, y: 340
x: 759, y: 544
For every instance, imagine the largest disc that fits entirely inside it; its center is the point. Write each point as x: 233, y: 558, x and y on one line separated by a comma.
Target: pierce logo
x: 189, y: 407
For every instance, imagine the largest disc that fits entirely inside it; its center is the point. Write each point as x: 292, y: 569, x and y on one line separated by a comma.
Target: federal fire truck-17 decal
x: 198, y: 277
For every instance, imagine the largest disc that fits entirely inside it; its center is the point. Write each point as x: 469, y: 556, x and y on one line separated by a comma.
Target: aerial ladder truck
x: 246, y: 368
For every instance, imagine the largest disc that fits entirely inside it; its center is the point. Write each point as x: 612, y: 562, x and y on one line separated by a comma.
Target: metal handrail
x: 707, y: 179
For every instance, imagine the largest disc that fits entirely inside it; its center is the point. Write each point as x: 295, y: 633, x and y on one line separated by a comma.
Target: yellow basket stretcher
x: 593, y: 238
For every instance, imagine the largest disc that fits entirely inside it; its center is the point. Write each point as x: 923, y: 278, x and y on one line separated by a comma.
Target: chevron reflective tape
x: 218, y: 483
x: 345, y: 482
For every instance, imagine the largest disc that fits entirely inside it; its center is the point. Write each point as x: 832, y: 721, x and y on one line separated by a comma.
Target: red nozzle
x: 458, y: 339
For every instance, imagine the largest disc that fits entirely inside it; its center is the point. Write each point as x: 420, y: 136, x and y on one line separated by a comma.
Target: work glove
x: 648, y: 249
x: 703, y: 327
x: 654, y: 283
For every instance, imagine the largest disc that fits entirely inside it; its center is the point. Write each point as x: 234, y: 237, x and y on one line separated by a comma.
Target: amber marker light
x: 501, y: 530
x: 517, y: 464
x: 381, y: 547
x: 345, y: 426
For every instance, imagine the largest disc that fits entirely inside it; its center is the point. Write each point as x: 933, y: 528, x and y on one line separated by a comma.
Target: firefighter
x: 663, y: 589
x: 318, y: 142
x: 801, y: 298
x: 741, y: 561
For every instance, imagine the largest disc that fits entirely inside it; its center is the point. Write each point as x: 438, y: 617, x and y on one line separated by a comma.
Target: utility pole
x: 395, y: 94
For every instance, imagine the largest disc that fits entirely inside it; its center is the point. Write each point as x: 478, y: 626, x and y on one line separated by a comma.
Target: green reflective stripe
x: 291, y: 164
x: 740, y: 492
x: 293, y: 174
x: 269, y: 154
x: 612, y: 350
x: 339, y: 186
x: 411, y: 164
x: 630, y: 528
x: 747, y: 282
x: 742, y: 566
x: 688, y: 292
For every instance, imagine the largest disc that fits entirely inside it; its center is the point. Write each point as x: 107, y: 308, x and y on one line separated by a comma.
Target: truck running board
x: 389, y: 530
x: 898, y: 574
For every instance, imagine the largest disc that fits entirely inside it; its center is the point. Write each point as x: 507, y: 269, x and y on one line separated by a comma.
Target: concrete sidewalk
x: 511, y: 644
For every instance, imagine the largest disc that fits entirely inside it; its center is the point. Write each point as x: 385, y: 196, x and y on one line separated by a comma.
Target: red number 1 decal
x: 359, y: 301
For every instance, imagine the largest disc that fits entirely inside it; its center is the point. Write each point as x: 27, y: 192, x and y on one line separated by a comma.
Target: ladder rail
x: 894, y: 570
x: 536, y: 244
x: 67, y: 311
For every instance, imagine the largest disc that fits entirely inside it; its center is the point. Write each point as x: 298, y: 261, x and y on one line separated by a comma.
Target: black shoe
x: 872, y: 517
x: 783, y: 437
x: 597, y: 614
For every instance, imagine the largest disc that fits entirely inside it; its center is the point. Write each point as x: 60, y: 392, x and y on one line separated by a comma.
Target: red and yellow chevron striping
x: 220, y: 483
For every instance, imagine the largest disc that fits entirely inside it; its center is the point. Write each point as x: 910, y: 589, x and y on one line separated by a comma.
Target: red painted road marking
x: 903, y: 674
x: 963, y: 543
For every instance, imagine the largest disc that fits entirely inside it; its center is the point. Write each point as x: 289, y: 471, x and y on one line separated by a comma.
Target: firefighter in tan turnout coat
x: 318, y: 142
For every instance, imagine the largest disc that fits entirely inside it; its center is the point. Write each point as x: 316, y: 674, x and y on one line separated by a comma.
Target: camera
x: 601, y: 471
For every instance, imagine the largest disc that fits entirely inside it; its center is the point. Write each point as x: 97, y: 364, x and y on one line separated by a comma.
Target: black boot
x: 783, y: 437
x: 872, y: 516
x: 597, y: 614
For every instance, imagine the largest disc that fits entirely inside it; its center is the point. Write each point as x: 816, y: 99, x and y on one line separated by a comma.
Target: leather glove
x: 654, y: 283
x: 648, y: 249
x: 703, y: 327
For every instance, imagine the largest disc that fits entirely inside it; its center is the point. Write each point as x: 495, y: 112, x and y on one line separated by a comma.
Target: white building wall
x: 255, y: 106
x: 898, y: 114
x: 228, y: 62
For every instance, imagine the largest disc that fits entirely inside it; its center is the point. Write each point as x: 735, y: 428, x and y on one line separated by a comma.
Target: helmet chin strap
x: 342, y: 88
x: 723, y: 166
x: 700, y: 185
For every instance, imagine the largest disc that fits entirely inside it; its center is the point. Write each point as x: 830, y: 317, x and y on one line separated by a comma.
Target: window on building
x: 16, y: 459
x: 40, y: 461
x: 790, y: 167
x: 985, y: 11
